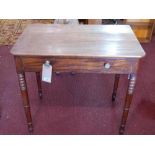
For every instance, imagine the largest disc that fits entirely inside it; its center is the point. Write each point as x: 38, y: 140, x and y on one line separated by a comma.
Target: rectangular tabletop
x: 78, y: 40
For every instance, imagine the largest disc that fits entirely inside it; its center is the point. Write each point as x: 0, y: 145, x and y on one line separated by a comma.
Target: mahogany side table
x: 103, y: 49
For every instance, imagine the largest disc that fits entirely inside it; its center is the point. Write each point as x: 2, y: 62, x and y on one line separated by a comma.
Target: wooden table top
x: 78, y: 40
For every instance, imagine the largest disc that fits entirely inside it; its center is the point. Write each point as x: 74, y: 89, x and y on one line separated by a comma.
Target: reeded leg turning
x: 23, y: 88
x: 38, y: 77
x: 129, y: 95
x: 117, y: 76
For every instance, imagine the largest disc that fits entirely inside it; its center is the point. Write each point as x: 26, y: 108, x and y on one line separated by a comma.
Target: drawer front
x: 81, y: 65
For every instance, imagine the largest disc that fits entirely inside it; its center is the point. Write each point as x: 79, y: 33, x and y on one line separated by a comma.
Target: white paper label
x: 47, y: 73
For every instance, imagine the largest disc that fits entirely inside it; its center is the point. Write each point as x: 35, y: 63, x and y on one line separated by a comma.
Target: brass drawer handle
x: 107, y: 66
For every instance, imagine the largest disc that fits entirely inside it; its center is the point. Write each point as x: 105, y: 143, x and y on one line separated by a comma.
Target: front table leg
x: 129, y: 95
x: 23, y: 88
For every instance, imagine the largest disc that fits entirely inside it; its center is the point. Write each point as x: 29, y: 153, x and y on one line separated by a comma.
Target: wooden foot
x: 129, y: 95
x: 39, y: 84
x: 24, y: 93
x: 117, y: 76
x: 57, y: 73
x: 72, y: 73
x: 30, y: 128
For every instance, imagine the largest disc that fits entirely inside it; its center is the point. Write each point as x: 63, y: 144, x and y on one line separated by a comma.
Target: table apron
x: 81, y: 65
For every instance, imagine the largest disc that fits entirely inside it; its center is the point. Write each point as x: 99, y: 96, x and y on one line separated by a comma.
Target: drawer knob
x: 107, y: 65
x: 47, y: 62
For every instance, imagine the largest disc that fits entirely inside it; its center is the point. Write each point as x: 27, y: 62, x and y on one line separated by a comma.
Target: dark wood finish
x: 117, y: 76
x: 83, y: 21
x: 23, y: 88
x: 154, y: 30
x: 38, y: 77
x: 24, y: 92
x: 81, y: 65
x: 85, y: 49
x: 93, y: 41
x: 129, y: 95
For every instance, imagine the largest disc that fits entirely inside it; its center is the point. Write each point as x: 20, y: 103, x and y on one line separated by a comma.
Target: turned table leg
x: 117, y: 76
x: 38, y: 77
x: 24, y: 93
x: 129, y: 95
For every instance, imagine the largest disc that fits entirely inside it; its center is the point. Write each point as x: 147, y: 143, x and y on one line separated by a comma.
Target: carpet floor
x: 79, y: 104
x: 10, y: 29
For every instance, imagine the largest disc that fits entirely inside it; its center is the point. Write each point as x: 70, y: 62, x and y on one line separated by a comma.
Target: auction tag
x: 47, y: 72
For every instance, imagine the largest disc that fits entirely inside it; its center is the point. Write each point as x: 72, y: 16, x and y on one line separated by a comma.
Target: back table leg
x: 117, y: 76
x: 129, y: 95
x: 39, y: 84
x: 23, y: 88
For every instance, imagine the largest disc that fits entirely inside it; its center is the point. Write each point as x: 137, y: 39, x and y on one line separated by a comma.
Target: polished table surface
x: 78, y: 40
x: 111, y: 49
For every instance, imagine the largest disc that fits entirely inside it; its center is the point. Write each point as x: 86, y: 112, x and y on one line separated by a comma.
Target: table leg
x: 129, y: 95
x: 24, y: 93
x: 117, y: 76
x: 39, y: 84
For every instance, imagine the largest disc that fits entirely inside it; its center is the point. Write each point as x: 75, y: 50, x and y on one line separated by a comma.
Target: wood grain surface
x: 78, y: 40
x: 81, y: 65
